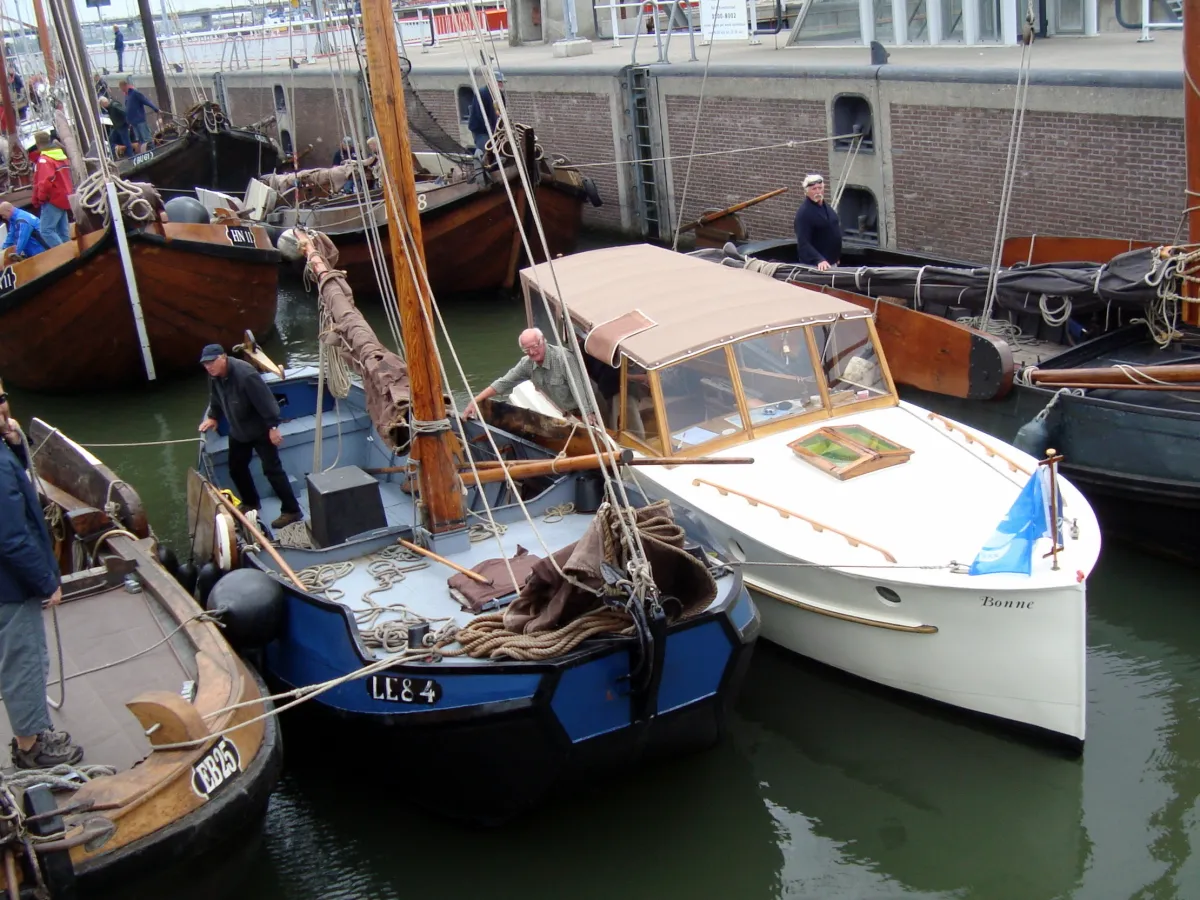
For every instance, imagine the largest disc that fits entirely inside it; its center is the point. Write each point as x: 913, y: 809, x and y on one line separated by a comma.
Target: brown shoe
x: 286, y: 519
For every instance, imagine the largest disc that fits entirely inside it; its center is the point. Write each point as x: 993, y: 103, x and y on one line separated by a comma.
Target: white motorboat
x: 862, y: 514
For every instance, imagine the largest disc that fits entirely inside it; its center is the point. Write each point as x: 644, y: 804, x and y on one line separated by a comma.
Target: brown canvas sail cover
x: 383, y: 373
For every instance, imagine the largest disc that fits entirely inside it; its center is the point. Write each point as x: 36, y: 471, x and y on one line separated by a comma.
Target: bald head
x: 6, y: 210
x: 533, y: 344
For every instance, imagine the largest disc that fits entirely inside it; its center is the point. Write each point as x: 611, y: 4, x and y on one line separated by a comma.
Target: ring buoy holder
x: 225, y: 545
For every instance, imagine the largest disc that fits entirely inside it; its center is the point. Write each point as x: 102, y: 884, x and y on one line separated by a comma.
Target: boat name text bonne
x: 1007, y: 604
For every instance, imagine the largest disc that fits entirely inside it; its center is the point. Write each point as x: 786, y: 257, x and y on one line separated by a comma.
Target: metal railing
x: 672, y: 16
x: 1147, y: 24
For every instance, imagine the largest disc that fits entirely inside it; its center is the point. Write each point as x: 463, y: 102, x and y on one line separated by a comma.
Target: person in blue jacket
x: 23, y: 234
x: 28, y: 578
x: 484, y: 112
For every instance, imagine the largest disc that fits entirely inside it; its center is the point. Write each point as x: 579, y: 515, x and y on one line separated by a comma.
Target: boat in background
x: 71, y: 321
x: 861, y: 515
x: 180, y: 684
x: 202, y: 149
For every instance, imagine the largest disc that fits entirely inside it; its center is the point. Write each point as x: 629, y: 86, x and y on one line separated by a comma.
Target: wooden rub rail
x: 789, y: 514
x: 973, y: 438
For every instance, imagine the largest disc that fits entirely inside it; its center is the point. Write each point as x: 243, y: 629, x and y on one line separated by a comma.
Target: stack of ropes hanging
x: 207, y: 116
x: 135, y: 201
x: 504, y: 144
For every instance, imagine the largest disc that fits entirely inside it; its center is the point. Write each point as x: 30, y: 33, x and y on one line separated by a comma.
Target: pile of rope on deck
x: 562, y: 605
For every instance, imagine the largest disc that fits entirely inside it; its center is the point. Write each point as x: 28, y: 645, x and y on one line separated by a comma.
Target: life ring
x: 225, y: 548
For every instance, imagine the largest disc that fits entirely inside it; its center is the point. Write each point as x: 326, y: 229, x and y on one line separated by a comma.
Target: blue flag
x: 1010, y: 548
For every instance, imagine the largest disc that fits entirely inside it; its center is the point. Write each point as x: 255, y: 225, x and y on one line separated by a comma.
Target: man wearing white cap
x: 818, y: 230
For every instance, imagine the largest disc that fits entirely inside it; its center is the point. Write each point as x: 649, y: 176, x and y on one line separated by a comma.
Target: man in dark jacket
x: 119, y: 46
x: 818, y: 230
x: 483, y: 113
x: 135, y: 114
x: 237, y: 392
x: 118, y: 132
x: 28, y: 576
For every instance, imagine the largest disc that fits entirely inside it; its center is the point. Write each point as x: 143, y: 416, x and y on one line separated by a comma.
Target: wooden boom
x: 1119, y: 376
x: 730, y: 210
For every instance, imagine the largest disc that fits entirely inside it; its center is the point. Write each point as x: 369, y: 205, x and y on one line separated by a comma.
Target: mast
x: 44, y: 42
x: 1191, y: 139
x: 437, y: 478
x: 10, y: 112
x: 153, y: 52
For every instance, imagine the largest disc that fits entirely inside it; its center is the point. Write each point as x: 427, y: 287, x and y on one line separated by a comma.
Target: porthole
x: 887, y: 595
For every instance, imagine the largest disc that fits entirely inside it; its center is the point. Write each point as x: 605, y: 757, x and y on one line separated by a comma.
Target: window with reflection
x: 850, y: 362
x: 777, y: 376
x: 700, y: 400
x: 637, y: 419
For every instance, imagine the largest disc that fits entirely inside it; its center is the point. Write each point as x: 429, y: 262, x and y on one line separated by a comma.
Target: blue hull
x: 536, y: 727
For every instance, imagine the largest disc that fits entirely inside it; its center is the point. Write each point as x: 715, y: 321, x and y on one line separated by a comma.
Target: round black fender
x: 593, y: 195
x: 188, y: 210
x: 206, y: 580
x: 1034, y: 436
x: 251, y: 606
x: 167, y: 559
x: 57, y: 869
x: 186, y: 576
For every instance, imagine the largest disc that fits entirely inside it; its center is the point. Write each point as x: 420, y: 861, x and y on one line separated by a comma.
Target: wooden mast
x: 437, y: 477
x: 1191, y: 140
x: 44, y: 42
x: 154, y: 53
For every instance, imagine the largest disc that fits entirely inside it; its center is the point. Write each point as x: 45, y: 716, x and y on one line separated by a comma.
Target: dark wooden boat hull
x: 1133, y: 453
x: 473, y: 244
x: 68, y: 323
x: 224, y: 161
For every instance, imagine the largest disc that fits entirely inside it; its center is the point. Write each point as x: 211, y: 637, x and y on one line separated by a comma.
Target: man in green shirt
x: 550, y: 368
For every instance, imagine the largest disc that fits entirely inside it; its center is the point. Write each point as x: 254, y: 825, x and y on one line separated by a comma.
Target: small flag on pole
x: 1010, y: 548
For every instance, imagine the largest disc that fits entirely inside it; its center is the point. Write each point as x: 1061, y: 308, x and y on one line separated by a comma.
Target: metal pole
x: 569, y: 20
x: 616, y: 24
x: 152, y: 51
x: 1146, y: 36
x: 117, y: 223
x: 1191, y: 140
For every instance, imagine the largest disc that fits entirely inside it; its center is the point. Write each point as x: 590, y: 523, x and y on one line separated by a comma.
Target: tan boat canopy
x: 656, y: 306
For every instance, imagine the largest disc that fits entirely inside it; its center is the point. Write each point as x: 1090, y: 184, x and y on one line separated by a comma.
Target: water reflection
x: 886, y: 797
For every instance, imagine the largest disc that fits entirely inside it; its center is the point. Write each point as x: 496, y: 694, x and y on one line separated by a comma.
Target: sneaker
x: 50, y: 736
x: 286, y: 519
x: 45, y: 755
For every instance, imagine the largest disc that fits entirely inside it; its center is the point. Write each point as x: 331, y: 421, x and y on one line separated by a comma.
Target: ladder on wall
x: 642, y: 119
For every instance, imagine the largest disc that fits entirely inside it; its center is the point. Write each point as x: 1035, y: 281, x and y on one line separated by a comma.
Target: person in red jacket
x: 51, y: 188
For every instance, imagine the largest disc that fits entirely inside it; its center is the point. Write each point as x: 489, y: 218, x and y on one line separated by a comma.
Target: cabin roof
x: 691, y: 304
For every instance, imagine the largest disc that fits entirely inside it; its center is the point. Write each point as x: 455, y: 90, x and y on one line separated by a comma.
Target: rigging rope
x: 687, y: 177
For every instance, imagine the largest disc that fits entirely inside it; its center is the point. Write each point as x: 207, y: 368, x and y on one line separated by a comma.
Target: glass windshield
x: 850, y: 362
x: 699, y: 400
x: 777, y: 375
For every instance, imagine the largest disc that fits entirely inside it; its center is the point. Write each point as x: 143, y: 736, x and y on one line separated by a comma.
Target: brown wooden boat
x: 208, y: 153
x: 67, y: 323
x: 143, y: 670
x: 469, y: 231
x: 1039, y: 249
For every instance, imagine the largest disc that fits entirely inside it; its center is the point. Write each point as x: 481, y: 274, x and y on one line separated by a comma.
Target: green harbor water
x: 823, y: 788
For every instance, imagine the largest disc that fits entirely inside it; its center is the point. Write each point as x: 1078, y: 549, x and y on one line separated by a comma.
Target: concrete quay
x: 1100, y: 152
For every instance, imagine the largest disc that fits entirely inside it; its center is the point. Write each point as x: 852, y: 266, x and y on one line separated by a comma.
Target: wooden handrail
x: 973, y: 438
x: 790, y: 514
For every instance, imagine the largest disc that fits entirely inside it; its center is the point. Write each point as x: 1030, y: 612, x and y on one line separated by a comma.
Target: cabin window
x: 850, y: 362
x: 777, y: 376
x: 845, y: 451
x: 637, y: 418
x: 699, y: 400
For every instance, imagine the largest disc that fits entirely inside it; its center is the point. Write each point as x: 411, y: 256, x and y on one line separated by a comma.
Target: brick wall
x: 1092, y: 175
x: 578, y: 126
x: 737, y: 122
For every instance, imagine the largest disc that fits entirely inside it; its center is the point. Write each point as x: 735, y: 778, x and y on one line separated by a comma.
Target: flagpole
x: 1052, y: 458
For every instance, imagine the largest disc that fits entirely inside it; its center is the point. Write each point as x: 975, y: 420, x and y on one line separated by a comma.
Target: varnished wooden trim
x: 660, y: 411
x: 791, y: 514
x: 739, y: 392
x: 972, y: 438
x: 834, y: 614
x: 881, y: 356
x: 814, y: 355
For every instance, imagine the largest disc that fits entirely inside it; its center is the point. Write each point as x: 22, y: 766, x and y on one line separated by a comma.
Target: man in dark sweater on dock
x: 236, y: 391
x: 818, y: 230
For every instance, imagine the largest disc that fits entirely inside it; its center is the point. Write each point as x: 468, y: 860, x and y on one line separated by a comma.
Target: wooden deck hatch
x: 845, y: 451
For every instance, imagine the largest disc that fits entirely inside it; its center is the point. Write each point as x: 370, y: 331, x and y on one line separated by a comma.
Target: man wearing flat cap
x: 818, y: 230
x: 236, y: 391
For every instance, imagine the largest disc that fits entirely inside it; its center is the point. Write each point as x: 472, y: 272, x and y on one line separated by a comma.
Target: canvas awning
x: 692, y: 304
